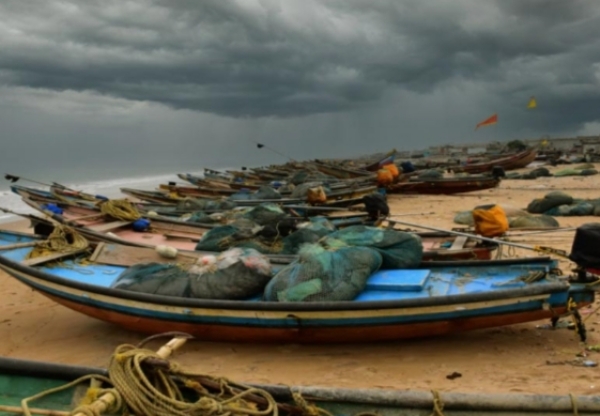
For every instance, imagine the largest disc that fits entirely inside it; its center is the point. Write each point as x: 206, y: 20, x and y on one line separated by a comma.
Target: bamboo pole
x: 538, y: 249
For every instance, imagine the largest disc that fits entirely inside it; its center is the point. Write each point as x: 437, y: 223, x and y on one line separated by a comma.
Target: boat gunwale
x: 538, y: 289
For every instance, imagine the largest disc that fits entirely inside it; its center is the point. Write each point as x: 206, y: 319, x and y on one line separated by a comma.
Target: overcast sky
x: 114, y: 88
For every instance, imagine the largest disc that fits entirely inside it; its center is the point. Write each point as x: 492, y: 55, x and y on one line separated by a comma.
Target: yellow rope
x: 574, y: 404
x: 25, y: 401
x: 438, y: 405
x: 120, y: 209
x: 58, y: 242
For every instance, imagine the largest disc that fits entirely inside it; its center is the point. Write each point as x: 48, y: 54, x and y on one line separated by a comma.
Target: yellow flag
x: 532, y: 103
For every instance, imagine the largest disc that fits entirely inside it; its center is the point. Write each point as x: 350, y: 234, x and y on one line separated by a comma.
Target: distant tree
x: 516, y: 145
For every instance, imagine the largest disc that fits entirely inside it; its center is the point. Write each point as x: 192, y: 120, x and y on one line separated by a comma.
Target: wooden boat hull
x: 343, y: 173
x: 444, y: 186
x: 374, y: 316
x: 290, y: 326
x: 517, y: 161
x: 20, y: 379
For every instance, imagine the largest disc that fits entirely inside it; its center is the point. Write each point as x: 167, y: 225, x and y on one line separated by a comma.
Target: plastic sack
x: 490, y: 220
x: 393, y: 169
x: 384, y: 177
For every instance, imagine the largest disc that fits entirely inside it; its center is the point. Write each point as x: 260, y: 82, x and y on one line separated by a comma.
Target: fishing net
x: 120, y: 209
x: 264, y: 214
x: 398, y: 249
x: 577, y: 209
x: 303, y: 177
x: 201, y: 217
x: 155, y: 278
x: 533, y: 221
x: 320, y: 225
x: 266, y: 192
x: 293, y: 242
x: 198, y: 204
x: 549, y: 201
x: 62, y: 239
x: 223, y: 237
x: 464, y: 218
x: 234, y: 274
x: 324, y: 275
x: 301, y: 191
x: 431, y: 174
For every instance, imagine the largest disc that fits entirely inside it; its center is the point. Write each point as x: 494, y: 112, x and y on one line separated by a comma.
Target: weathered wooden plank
x: 18, y: 245
x: 51, y: 257
x: 108, y: 225
x: 182, y: 236
x: 117, y: 255
x: 459, y: 243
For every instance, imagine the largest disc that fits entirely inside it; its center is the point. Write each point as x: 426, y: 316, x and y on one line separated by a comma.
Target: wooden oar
x: 539, y: 249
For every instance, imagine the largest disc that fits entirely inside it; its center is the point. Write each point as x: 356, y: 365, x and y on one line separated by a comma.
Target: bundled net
x: 398, y: 249
x: 324, y: 275
x: 120, y: 209
x: 235, y: 274
x: 62, y: 239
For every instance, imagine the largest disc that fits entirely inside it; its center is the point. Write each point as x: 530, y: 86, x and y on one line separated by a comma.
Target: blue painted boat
x: 440, y: 298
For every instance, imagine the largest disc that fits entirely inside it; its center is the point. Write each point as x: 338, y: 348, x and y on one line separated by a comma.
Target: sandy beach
x: 508, y: 359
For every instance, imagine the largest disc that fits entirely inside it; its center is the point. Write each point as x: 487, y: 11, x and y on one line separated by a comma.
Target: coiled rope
x: 62, y: 239
x: 120, y: 209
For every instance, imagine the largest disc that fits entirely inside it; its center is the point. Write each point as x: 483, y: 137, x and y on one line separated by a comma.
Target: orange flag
x: 488, y: 121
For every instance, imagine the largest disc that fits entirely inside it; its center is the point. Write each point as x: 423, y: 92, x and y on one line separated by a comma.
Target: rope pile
x: 120, y: 209
x: 63, y: 239
x: 143, y: 383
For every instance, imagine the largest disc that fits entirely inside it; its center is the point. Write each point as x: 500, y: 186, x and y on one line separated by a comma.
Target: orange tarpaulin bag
x: 393, y: 170
x: 384, y: 177
x: 490, y: 220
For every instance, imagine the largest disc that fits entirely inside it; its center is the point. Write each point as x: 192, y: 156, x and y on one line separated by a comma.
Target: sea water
x: 109, y: 188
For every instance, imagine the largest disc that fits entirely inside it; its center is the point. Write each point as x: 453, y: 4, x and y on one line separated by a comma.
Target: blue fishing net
x: 155, y: 278
x: 324, y: 275
x: 398, y: 249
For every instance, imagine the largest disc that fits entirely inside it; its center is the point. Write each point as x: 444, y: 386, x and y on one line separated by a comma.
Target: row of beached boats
x: 459, y: 286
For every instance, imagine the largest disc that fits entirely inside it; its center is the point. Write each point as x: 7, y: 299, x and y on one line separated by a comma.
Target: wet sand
x: 502, y: 360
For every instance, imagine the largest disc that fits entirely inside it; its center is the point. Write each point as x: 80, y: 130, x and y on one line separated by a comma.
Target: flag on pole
x: 532, y: 103
x: 488, y: 121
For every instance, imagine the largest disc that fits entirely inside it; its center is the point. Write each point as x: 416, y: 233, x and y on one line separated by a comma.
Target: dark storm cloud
x: 294, y: 58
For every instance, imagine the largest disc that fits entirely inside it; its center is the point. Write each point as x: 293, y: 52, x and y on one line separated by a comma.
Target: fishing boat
x: 444, y: 186
x: 41, y: 195
x: 343, y: 173
x: 347, y: 192
x: 185, y: 235
x: 20, y: 379
x: 516, y: 161
x: 378, y: 164
x: 435, y: 299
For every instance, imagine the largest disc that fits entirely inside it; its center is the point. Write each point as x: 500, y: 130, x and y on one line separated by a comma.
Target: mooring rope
x: 120, y: 209
x: 58, y: 242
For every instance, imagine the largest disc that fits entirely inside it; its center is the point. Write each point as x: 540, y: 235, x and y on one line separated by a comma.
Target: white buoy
x: 167, y: 251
